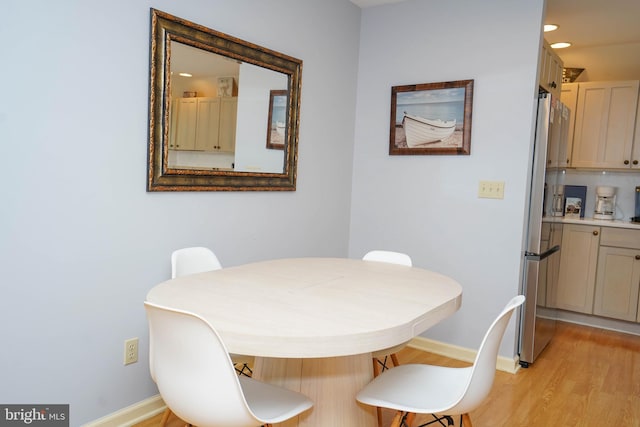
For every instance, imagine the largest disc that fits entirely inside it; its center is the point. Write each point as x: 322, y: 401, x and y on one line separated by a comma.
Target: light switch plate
x: 491, y: 189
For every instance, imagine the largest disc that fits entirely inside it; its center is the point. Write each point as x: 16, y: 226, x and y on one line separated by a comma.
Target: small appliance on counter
x: 557, y: 205
x: 605, y: 202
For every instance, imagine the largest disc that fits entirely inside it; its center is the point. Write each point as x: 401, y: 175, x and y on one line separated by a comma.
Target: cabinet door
x: 570, y: 100
x: 553, y: 264
x: 550, y: 70
x: 543, y: 276
x: 605, y: 122
x: 555, y: 74
x: 558, y: 149
x: 576, y: 281
x: 617, y: 283
x: 185, y: 119
x: 227, y: 133
x: 635, y: 154
x: 208, y: 124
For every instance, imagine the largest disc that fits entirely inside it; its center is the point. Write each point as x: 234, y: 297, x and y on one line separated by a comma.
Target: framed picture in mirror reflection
x: 276, y: 122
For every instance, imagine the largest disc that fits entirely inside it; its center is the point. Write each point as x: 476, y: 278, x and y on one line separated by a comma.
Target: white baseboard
x: 131, y: 414
x: 460, y: 353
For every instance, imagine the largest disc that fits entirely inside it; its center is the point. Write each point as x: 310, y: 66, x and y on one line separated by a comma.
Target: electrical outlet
x: 130, y: 351
x: 491, y: 189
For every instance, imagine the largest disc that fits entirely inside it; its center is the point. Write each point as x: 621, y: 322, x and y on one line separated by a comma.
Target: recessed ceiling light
x: 560, y: 45
x: 550, y: 27
x: 185, y: 75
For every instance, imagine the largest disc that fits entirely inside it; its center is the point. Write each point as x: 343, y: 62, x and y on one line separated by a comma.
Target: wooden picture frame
x: 431, y: 118
x: 276, y: 123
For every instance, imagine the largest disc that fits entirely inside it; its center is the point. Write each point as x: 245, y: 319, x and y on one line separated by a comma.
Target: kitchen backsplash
x: 625, y: 183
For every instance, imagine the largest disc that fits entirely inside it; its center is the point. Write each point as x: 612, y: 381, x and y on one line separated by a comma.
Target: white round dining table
x: 312, y: 323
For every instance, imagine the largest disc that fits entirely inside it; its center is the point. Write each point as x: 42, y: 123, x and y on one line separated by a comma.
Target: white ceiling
x: 605, y: 35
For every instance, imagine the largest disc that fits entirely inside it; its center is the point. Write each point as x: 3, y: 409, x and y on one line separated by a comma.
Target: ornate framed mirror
x: 211, y: 109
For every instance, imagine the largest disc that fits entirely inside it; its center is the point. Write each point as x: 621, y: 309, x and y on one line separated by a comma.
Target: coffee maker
x: 557, y: 203
x: 605, y: 202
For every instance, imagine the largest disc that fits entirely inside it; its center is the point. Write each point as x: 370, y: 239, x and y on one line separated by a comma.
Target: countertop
x: 618, y: 223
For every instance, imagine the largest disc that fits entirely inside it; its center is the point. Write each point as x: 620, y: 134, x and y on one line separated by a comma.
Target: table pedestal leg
x: 331, y: 383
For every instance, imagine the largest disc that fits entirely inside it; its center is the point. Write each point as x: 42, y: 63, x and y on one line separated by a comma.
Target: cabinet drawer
x: 620, y: 237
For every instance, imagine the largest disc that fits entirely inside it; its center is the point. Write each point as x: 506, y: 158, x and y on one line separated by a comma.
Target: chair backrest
x: 193, y: 260
x: 484, y: 366
x: 388, y: 256
x: 193, y: 371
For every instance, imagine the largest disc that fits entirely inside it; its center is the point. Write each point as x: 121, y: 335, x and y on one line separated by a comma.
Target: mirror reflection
x: 218, y: 110
x: 214, y: 101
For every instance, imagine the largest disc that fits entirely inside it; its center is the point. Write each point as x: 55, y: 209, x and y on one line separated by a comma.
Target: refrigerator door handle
x: 532, y: 256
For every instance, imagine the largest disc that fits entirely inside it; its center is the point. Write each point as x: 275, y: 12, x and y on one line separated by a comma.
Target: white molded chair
x: 381, y: 357
x: 198, y: 260
x: 193, y: 260
x: 437, y: 390
x: 197, y: 380
x: 388, y: 256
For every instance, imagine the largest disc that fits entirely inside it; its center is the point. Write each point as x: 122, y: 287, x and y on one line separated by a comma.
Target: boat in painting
x: 419, y: 130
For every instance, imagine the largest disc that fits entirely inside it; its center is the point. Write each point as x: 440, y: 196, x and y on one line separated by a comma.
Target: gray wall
x: 428, y: 206
x: 81, y: 241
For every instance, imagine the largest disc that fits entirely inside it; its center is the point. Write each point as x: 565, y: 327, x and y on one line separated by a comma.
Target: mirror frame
x: 160, y: 177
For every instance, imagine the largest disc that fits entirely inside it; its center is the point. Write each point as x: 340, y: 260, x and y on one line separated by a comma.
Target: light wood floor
x: 586, y: 378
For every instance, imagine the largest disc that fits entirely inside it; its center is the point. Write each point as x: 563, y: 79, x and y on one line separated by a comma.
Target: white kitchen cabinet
x: 576, y: 280
x: 605, y: 124
x: 182, y: 135
x: 558, y: 152
x: 553, y: 264
x: 635, y: 152
x: 227, y: 132
x: 203, y: 124
x: 207, y: 124
x: 618, y: 277
x: 569, y: 98
x: 550, y: 70
x: 543, y: 275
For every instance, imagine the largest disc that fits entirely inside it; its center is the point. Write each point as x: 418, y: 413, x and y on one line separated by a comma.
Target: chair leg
x: 397, y: 420
x: 465, y: 420
x: 408, y: 420
x: 394, y: 359
x: 376, y: 367
x: 165, y: 417
x: 379, y: 413
x: 243, y: 371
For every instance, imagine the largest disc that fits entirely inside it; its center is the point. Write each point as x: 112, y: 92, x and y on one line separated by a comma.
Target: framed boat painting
x: 431, y: 118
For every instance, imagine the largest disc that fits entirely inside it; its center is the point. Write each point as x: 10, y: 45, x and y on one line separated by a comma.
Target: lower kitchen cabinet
x: 553, y: 264
x: 618, y: 277
x: 577, y: 277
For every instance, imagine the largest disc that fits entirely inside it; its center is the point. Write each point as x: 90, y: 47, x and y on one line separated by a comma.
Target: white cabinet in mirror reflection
x: 203, y: 124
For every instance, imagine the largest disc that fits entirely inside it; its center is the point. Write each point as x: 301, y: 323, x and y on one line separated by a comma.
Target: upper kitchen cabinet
x: 569, y: 98
x: 559, y: 150
x: 604, y: 125
x: 203, y: 124
x: 550, y: 70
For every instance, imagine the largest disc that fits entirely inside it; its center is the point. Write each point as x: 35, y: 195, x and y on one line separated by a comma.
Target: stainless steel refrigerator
x: 544, y: 230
